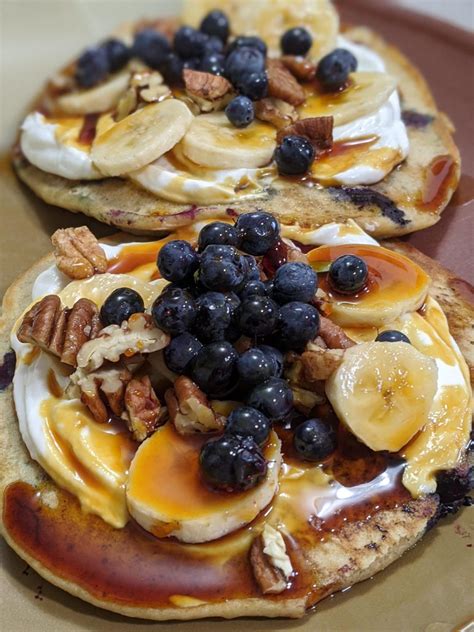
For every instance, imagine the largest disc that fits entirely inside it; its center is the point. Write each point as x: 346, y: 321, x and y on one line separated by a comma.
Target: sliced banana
x: 269, y: 19
x: 212, y: 141
x: 383, y: 392
x: 167, y: 497
x: 100, y: 99
x: 141, y: 137
x: 366, y: 94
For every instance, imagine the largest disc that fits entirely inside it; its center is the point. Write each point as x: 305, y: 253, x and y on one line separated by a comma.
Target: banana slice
x: 100, y: 99
x: 383, y: 392
x: 395, y: 286
x: 366, y: 94
x: 269, y: 19
x: 141, y: 137
x: 212, y: 141
x: 166, y: 496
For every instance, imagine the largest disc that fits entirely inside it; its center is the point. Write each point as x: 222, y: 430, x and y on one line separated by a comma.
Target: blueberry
x: 232, y: 463
x: 248, y: 41
x: 213, y: 63
x: 180, y: 352
x: 294, y: 155
x: 240, y: 111
x: 213, y: 316
x: 177, y: 261
x: 254, y: 366
x: 92, y: 67
x: 314, y: 440
x: 221, y: 268
x: 392, y: 335
x: 216, y: 23
x: 117, y: 52
x: 188, y: 42
x: 274, y: 398
x: 174, y: 311
x: 348, y: 274
x: 333, y: 69
x: 275, y: 356
x: 254, y: 86
x: 299, y: 323
x: 173, y: 69
x: 151, y: 47
x: 251, y: 269
x: 214, y: 368
x: 296, y: 41
x: 120, y: 305
x: 248, y: 422
x: 258, y: 232
x: 294, y: 281
x: 192, y: 63
x: 253, y: 288
x: 243, y: 61
x: 214, y: 46
x: 218, y: 233
x: 258, y: 316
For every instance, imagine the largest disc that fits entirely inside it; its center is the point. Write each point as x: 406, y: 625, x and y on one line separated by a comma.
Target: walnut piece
x: 78, y: 253
x: 317, y: 129
x: 189, y: 408
x: 270, y: 562
x: 301, y: 67
x: 319, y: 363
x: 305, y: 400
x: 282, y: 84
x: 60, y: 331
x: 333, y: 335
x: 96, y: 389
x: 210, y: 92
x: 277, y: 112
x: 143, y: 408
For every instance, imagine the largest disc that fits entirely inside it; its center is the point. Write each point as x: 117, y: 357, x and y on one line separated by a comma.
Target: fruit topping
x: 296, y: 41
x: 216, y: 23
x: 298, y: 324
x: 92, y: 67
x: 253, y: 85
x: 117, y: 53
x: 181, y: 351
x: 214, y: 316
x: 258, y: 316
x: 174, y: 311
x: 248, y: 422
x: 314, y: 440
x: 151, y: 47
x: 214, y: 368
x: 255, y: 366
x: 392, y: 335
x: 232, y: 463
x: 254, y: 288
x: 250, y: 41
x: 120, y: 305
x: 257, y: 232
x: 294, y: 155
x: 348, y: 274
x: 213, y: 63
x: 240, y: 111
x: 294, y: 282
x: 274, y: 398
x: 333, y: 69
x: 221, y: 269
x: 275, y: 356
x: 177, y: 261
x: 188, y: 42
x: 243, y: 61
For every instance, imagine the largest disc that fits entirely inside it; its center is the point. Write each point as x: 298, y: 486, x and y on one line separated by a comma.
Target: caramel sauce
x: 31, y: 356
x: 440, y: 177
x: 53, y: 385
x: 134, y: 256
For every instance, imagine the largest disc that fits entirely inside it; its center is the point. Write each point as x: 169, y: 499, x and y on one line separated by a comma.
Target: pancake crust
x: 353, y: 553
x: 386, y: 209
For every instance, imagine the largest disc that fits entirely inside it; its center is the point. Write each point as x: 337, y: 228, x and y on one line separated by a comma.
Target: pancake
x: 86, y: 557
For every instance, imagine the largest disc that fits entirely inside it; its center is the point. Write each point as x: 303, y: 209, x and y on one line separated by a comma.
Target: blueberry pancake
x: 250, y: 416
x: 253, y: 105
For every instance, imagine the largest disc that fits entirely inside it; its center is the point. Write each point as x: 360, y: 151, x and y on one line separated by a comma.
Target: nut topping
x: 300, y: 67
x: 78, y: 253
x: 333, y: 335
x: 282, y: 84
x: 319, y: 363
x: 317, y: 129
x: 189, y: 408
x: 143, y: 408
x: 277, y: 112
x: 106, y: 386
x: 210, y: 92
x: 270, y: 562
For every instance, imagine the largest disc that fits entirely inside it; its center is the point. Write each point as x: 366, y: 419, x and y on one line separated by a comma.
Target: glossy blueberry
x: 254, y: 86
x: 314, y: 440
x: 218, y: 233
x: 251, y: 269
x: 254, y: 366
x: 294, y: 281
x: 180, y: 352
x: 221, y: 268
x: 243, y: 61
x: 173, y: 69
x: 117, y: 52
x: 240, y: 111
x: 214, y: 368
x: 192, y: 63
x: 294, y: 155
x: 348, y: 274
x: 296, y: 41
x: 188, y: 42
x: 232, y: 463
x: 216, y: 23
x: 213, y: 316
x: 258, y: 316
x: 274, y: 398
x: 298, y: 324
x: 257, y: 231
x: 151, y: 47
x: 213, y: 46
x: 392, y: 335
x: 92, y: 67
x: 233, y: 332
x: 253, y: 288
x: 120, y: 305
x: 248, y: 422
x: 248, y: 41
x: 213, y: 63
x: 276, y: 358
x: 177, y: 261
x: 174, y: 311
x: 333, y: 69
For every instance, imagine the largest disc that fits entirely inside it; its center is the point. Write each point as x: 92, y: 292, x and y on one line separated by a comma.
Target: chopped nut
x: 317, y: 129
x: 78, y: 253
x: 127, y: 104
x: 333, y: 335
x: 149, y: 86
x: 210, y: 92
x: 282, y: 84
x: 189, y: 408
x: 319, y: 364
x: 305, y: 400
x: 143, y: 408
x: 277, y: 112
x: 295, y: 254
x: 270, y: 562
x: 301, y: 67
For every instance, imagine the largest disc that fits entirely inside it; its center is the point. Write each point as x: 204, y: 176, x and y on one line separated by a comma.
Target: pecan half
x: 270, y: 563
x: 277, y: 112
x: 189, y: 408
x: 282, y: 84
x: 333, y: 335
x: 301, y: 67
x: 37, y: 326
x: 317, y: 129
x: 319, y: 363
x: 143, y: 408
x: 101, y: 388
x: 210, y: 92
x: 78, y: 253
